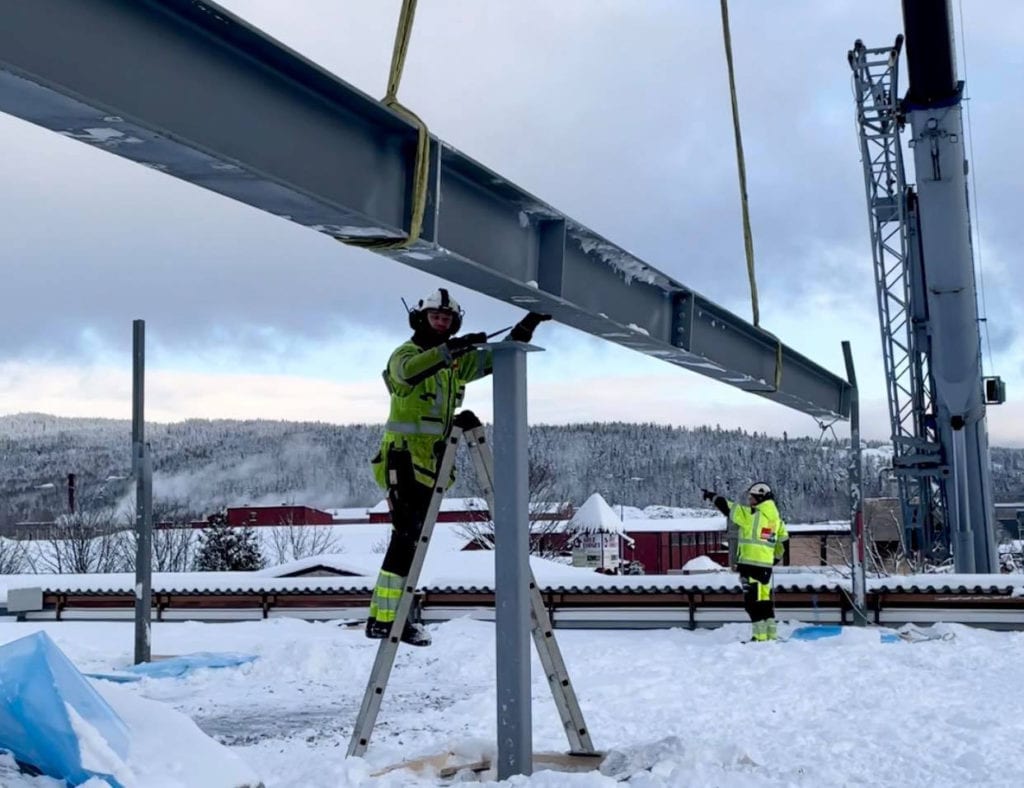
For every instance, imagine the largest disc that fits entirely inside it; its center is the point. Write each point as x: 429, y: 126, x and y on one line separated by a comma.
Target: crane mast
x: 917, y: 462
x: 927, y: 299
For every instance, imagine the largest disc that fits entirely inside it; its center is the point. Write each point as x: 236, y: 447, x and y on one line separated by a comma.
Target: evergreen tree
x: 224, y: 548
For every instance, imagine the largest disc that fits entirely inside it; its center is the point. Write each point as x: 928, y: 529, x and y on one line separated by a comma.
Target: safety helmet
x: 439, y: 300
x: 760, y: 490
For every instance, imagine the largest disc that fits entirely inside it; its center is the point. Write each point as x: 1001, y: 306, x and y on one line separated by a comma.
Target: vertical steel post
x: 511, y: 561
x: 143, y: 471
x: 858, y: 579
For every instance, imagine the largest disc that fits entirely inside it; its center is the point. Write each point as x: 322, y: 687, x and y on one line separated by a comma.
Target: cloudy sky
x: 615, y: 112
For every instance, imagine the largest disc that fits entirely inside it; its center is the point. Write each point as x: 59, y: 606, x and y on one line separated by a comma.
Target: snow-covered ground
x: 695, y: 708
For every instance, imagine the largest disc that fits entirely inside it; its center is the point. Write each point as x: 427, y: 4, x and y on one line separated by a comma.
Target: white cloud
x: 615, y: 112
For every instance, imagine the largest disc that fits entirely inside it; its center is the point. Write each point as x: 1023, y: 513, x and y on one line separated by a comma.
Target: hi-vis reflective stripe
x: 386, y: 595
x: 746, y: 559
x: 414, y: 428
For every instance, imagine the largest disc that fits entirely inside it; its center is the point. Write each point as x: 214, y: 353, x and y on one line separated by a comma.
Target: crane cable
x: 421, y: 168
x: 741, y: 168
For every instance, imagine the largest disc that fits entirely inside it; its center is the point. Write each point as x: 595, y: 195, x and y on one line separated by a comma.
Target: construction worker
x: 426, y: 378
x: 757, y: 541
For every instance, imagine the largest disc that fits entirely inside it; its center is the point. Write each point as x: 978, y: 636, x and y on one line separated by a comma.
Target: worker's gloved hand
x: 708, y: 495
x: 459, y: 346
x: 523, y: 330
x: 466, y: 420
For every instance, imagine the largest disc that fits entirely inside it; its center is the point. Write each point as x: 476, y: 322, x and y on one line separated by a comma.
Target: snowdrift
x: 53, y: 719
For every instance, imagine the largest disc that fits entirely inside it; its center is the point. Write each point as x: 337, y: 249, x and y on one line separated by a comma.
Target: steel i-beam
x: 186, y: 87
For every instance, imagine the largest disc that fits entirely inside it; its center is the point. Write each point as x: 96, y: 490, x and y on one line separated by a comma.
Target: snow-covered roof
x: 659, y: 512
x: 447, y: 505
x: 349, y: 513
x: 595, y: 516
x: 339, y: 563
x: 831, y: 527
x: 684, y: 524
x: 474, y: 571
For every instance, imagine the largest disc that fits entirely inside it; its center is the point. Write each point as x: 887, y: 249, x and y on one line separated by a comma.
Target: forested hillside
x: 201, y: 466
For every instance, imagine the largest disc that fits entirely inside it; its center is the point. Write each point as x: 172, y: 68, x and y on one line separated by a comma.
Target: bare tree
x: 81, y: 543
x: 12, y: 557
x: 174, y: 540
x: 290, y: 541
x: 547, y: 529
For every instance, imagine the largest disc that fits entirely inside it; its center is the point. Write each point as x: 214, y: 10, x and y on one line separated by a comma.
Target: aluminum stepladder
x: 543, y: 635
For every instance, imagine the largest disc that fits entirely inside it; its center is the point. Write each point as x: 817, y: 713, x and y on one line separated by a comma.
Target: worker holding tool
x: 757, y: 541
x: 426, y: 378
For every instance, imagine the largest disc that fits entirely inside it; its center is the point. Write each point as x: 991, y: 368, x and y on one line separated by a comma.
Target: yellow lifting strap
x: 741, y: 168
x: 421, y: 168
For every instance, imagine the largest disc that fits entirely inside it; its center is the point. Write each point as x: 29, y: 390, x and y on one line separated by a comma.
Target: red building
x: 277, y: 515
x: 666, y: 545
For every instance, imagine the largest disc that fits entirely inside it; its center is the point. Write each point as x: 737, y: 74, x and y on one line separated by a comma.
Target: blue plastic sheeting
x: 175, y: 667
x: 38, y: 684
x: 819, y: 631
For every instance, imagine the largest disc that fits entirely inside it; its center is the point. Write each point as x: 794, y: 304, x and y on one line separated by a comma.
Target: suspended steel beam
x: 186, y: 87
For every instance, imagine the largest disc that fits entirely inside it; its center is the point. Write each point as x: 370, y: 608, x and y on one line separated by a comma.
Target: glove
x: 523, y: 330
x: 708, y: 495
x: 466, y: 420
x: 459, y: 346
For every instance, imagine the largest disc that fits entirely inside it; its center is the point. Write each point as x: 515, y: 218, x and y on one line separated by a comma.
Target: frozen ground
x: 697, y: 708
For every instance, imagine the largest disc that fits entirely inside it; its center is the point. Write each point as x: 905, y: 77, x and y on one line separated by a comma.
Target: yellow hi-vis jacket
x: 426, y: 387
x: 759, y: 532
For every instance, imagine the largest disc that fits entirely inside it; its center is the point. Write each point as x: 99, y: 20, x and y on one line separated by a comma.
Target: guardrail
x: 587, y: 609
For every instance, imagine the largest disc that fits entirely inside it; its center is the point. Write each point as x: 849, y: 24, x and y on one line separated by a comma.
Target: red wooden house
x: 665, y: 545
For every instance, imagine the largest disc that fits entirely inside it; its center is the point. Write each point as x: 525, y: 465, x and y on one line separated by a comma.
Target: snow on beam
x: 228, y: 108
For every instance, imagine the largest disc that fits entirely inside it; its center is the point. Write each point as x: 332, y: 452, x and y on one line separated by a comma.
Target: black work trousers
x: 758, y: 594
x: 408, y: 509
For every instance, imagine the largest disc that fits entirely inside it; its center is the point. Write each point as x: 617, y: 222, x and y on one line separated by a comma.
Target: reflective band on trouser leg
x: 764, y: 592
x: 759, y: 630
x: 386, y: 595
x: 772, y: 629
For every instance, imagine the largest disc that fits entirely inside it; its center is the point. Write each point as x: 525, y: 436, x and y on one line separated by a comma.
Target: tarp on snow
x: 175, y: 667
x: 52, y: 718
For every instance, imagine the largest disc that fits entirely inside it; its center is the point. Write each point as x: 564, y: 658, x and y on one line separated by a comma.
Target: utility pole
x: 142, y: 470
x: 933, y: 111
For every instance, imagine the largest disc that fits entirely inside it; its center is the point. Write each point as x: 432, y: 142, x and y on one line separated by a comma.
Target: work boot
x: 413, y: 634
x: 376, y: 630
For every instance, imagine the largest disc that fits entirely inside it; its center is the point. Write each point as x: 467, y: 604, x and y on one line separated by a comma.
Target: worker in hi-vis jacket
x: 426, y: 378
x: 757, y: 541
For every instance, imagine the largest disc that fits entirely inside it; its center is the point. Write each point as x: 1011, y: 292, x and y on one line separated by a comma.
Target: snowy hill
x: 203, y: 465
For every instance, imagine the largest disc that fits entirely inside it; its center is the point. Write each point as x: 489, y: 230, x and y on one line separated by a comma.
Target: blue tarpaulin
x: 818, y: 631
x: 40, y: 689
x: 175, y: 667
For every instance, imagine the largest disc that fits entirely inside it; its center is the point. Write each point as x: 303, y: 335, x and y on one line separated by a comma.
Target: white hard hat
x: 439, y: 299
x: 760, y: 489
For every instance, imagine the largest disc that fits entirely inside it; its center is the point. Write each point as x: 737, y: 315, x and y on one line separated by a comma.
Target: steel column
x: 512, y: 576
x: 858, y: 579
